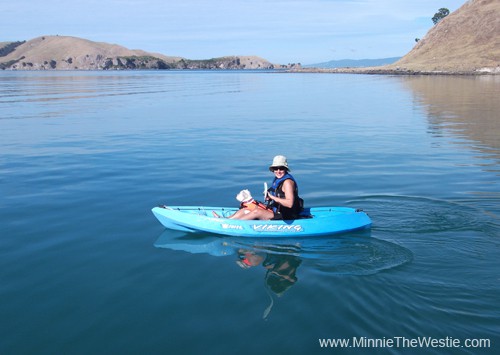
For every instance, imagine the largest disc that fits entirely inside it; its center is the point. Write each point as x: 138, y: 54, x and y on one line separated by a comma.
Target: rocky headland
x: 73, y: 53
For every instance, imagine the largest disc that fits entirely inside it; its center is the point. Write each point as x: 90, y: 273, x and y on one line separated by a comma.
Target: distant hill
x: 353, y: 63
x: 70, y: 53
x: 64, y: 52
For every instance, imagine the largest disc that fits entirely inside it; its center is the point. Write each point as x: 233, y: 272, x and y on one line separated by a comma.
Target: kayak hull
x: 318, y: 221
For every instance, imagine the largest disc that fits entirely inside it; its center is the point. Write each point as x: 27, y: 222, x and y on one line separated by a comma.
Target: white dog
x: 244, y: 196
x: 248, y: 202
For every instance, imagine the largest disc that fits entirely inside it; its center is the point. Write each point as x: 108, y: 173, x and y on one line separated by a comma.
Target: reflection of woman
x: 283, y: 196
x: 281, y: 268
x: 280, y: 275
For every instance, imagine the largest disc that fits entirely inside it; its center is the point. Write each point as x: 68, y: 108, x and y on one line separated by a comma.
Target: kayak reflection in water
x: 281, y: 271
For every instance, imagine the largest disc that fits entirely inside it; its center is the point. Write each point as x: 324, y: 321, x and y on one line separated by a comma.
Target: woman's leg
x: 239, y: 214
x: 257, y: 213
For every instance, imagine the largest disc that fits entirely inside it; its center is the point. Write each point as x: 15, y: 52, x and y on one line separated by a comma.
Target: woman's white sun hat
x: 278, y: 161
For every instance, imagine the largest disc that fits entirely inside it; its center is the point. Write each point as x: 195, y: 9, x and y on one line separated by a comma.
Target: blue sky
x: 281, y: 31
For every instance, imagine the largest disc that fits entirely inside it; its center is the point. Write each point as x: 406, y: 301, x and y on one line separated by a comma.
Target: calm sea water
x: 85, y: 268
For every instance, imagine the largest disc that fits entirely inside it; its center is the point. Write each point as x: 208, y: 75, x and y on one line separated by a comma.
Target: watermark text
x: 403, y: 342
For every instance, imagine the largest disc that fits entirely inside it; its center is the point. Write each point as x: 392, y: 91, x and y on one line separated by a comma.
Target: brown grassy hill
x: 467, y: 40
x: 65, y: 53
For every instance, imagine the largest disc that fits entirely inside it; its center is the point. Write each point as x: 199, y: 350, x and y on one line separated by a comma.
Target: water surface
x: 86, y: 268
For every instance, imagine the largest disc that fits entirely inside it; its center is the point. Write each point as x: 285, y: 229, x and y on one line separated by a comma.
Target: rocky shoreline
x: 396, y: 71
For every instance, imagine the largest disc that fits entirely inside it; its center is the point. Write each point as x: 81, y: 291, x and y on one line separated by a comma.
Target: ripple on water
x: 454, y: 240
x: 422, y: 215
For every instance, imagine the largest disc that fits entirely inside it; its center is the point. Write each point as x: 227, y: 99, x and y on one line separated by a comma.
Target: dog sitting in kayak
x: 248, y: 202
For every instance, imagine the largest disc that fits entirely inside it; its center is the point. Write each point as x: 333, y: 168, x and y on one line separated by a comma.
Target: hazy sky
x: 282, y: 31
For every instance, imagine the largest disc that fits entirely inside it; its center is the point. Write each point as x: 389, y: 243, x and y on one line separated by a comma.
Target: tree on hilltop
x: 441, y: 14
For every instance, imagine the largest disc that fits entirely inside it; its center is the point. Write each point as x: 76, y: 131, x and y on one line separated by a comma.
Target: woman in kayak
x: 283, y: 196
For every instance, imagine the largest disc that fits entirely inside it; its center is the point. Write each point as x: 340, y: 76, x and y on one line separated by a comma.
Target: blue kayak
x: 317, y: 221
